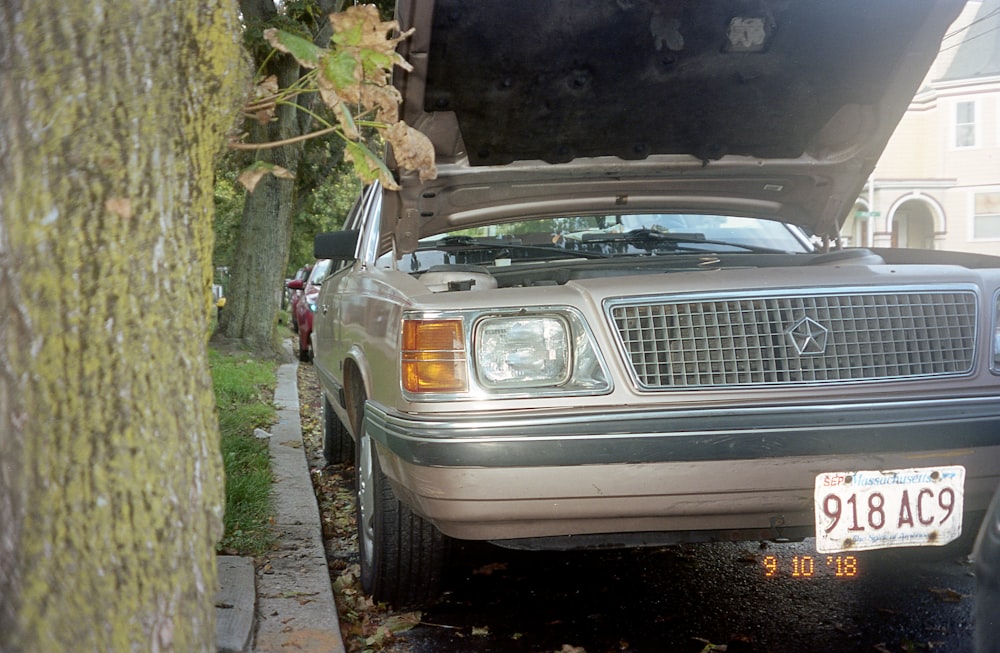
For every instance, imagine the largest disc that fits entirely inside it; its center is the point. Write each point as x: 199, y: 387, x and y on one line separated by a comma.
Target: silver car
x: 621, y: 316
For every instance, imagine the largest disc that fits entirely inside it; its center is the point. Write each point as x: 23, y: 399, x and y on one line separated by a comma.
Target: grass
x: 244, y: 388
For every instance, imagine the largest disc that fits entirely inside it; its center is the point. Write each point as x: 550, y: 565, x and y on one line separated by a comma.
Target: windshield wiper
x: 468, y: 242
x: 651, y: 239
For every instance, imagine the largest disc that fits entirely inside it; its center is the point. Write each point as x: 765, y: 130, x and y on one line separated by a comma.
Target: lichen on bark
x: 111, y: 479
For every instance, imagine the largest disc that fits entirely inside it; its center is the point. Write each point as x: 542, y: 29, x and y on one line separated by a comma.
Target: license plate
x: 862, y: 510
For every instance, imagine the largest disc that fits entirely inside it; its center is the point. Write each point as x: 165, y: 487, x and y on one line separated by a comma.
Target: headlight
x: 525, y: 352
x: 510, y: 353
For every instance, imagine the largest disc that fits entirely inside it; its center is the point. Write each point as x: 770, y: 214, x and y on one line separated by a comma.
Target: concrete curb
x: 234, y: 604
x: 295, y: 609
x: 295, y: 604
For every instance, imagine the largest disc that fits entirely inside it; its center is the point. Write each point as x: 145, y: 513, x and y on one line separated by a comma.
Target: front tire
x: 403, y: 557
x: 305, y: 350
x: 338, y: 447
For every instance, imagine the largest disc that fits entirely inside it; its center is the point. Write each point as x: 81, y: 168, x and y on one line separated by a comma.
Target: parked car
x: 304, y: 306
x: 292, y: 293
x: 620, y: 315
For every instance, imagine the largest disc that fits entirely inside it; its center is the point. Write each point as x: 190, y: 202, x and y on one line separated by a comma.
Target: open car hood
x: 772, y: 108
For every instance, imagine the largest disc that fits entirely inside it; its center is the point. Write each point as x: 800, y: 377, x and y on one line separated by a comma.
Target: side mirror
x: 337, y: 245
x: 295, y: 284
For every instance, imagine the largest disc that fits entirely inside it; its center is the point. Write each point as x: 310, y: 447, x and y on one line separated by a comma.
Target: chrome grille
x: 774, y: 339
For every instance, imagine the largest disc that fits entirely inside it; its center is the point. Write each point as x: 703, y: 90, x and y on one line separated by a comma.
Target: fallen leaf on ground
x: 487, y: 570
x: 947, y: 594
x: 709, y: 646
x: 401, y: 623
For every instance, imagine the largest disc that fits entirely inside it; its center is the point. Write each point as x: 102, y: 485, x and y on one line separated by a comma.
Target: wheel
x: 305, y: 351
x: 403, y: 557
x: 338, y: 447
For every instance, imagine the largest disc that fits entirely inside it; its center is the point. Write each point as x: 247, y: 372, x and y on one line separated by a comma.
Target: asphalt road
x: 781, y: 598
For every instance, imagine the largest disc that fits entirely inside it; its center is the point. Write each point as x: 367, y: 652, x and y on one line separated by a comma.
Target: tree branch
x: 288, y: 141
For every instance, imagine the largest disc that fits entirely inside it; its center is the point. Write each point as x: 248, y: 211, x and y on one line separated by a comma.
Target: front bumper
x: 738, y: 473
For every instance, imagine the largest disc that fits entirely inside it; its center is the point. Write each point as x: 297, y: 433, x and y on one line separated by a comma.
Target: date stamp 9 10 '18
x: 807, y: 566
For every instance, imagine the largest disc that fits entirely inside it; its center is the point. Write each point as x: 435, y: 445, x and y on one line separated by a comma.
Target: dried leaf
x: 252, y: 175
x: 266, y: 88
x: 265, y: 92
x: 401, y: 623
x: 412, y: 149
x: 487, y: 570
x: 947, y: 595
x: 265, y: 114
x: 378, y: 640
x: 361, y: 27
x: 384, y: 99
x: 363, y: 56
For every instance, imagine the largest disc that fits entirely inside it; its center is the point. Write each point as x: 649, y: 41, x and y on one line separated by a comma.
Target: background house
x: 937, y: 185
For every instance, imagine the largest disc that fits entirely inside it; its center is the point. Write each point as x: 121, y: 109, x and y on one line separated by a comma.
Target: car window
x: 320, y: 271
x: 353, y: 221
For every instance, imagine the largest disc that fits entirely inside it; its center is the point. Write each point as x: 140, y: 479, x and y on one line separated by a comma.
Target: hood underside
x: 777, y: 108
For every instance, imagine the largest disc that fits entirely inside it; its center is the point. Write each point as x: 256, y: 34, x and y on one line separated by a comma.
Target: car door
x: 328, y: 332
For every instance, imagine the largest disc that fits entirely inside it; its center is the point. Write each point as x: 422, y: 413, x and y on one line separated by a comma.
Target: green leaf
x: 349, y: 37
x: 375, y: 62
x: 363, y: 160
x: 305, y: 52
x: 368, y: 166
x: 338, y: 68
x: 346, y: 120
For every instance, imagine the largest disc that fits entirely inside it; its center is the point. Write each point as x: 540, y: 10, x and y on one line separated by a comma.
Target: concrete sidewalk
x: 292, y: 608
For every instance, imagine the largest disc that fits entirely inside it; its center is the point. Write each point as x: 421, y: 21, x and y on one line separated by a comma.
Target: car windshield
x: 603, y: 236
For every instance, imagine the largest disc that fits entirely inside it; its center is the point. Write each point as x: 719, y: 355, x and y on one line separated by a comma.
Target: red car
x: 303, y: 306
x: 286, y: 300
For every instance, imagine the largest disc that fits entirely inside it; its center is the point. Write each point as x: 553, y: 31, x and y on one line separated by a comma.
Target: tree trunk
x: 257, y: 272
x: 110, y: 474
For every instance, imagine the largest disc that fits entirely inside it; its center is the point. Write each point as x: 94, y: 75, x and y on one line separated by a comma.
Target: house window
x: 986, y: 221
x: 965, y: 124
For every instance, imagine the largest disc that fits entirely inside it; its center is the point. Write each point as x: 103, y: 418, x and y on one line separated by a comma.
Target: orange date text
x: 807, y: 566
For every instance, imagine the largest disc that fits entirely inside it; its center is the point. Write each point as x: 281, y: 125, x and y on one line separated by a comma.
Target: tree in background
x: 323, y: 208
x: 110, y: 473
x: 326, y: 189
x: 257, y: 269
x: 261, y: 253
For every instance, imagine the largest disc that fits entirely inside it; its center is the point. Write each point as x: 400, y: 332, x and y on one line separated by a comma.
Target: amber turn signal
x: 433, y: 356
